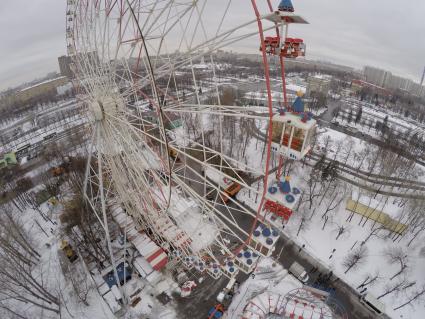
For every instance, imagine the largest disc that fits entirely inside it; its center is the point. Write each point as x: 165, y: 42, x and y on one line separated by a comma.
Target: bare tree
x: 374, y: 232
x: 329, y: 175
x: 77, y: 213
x: 77, y: 277
x: 341, y: 230
x: 417, y: 294
x: 18, y: 257
x: 401, y: 285
x: 22, y: 188
x: 354, y: 258
x: 416, y: 222
x: 13, y: 238
x: 303, y: 222
x: 246, y: 128
x: 337, y: 197
x: 313, y: 192
x: 399, y: 256
x: 369, y: 280
x: 10, y: 310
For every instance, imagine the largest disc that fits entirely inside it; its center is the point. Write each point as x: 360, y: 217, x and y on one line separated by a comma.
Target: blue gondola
x: 298, y: 105
x: 266, y: 232
x: 272, y: 190
x: 286, y: 5
x: 285, y: 187
x: 289, y: 198
x: 296, y: 191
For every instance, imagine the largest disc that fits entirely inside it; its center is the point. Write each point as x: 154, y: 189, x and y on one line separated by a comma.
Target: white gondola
x: 293, y: 134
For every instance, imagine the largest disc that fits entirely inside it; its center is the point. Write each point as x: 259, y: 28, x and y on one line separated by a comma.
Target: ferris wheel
x: 167, y: 146
x: 300, y: 303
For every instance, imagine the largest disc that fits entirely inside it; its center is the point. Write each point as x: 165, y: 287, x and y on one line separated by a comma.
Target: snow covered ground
x: 359, y: 154
x: 332, y: 237
x: 372, y: 114
x: 56, y: 274
x: 321, y: 242
x: 269, y: 282
x: 38, y: 135
x: 44, y: 235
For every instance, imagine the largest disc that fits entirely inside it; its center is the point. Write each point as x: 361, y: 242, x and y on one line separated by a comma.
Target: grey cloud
x: 387, y: 34
x: 32, y: 35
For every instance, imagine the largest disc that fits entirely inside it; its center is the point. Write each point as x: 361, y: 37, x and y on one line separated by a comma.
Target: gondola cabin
x: 292, y: 134
x: 272, y: 45
x: 293, y: 48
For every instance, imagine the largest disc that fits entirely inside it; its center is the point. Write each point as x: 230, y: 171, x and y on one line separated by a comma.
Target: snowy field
x: 60, y: 277
x: 364, y: 156
x: 321, y: 240
x: 372, y: 114
x: 270, y: 280
x: 393, y: 264
x: 390, y: 266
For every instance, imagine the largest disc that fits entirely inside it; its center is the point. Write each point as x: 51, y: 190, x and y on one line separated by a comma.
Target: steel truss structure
x: 155, y: 108
x: 299, y: 303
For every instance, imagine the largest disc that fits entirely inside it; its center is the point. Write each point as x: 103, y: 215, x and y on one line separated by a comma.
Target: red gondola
x: 292, y: 48
x: 272, y: 45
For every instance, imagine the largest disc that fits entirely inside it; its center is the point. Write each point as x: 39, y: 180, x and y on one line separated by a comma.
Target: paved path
x: 198, y: 305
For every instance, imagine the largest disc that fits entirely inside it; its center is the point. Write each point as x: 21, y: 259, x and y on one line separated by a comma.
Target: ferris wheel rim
x: 219, y: 114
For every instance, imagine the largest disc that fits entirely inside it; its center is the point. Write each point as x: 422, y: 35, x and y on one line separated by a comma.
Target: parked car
x: 299, y: 272
x: 373, y: 304
x: 352, y: 130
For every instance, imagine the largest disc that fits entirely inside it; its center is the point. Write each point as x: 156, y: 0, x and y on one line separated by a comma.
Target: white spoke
x: 163, y: 134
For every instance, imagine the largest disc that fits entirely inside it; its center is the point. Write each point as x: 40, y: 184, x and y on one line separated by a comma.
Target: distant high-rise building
x: 318, y: 83
x: 398, y: 82
x: 416, y: 89
x: 388, y: 81
x: 65, y: 66
x: 377, y: 76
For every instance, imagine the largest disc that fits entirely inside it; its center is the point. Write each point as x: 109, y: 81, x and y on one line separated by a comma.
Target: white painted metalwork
x: 161, y: 132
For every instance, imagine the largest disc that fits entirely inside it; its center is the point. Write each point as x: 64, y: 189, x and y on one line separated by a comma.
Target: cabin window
x: 298, y: 139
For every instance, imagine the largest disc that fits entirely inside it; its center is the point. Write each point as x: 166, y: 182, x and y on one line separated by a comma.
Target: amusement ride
x: 161, y: 159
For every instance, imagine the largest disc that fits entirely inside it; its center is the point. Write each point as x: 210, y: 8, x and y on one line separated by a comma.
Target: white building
x: 377, y: 76
x: 318, y: 83
x: 398, y: 82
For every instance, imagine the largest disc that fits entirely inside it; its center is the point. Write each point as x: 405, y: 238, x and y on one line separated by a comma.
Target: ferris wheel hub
x: 105, y: 105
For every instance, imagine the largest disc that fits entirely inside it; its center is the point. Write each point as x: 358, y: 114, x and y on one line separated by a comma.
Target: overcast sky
x: 385, y: 33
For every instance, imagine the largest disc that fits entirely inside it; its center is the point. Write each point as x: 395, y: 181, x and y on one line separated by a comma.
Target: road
x: 288, y: 251
x: 204, y: 297
x: 345, y: 296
